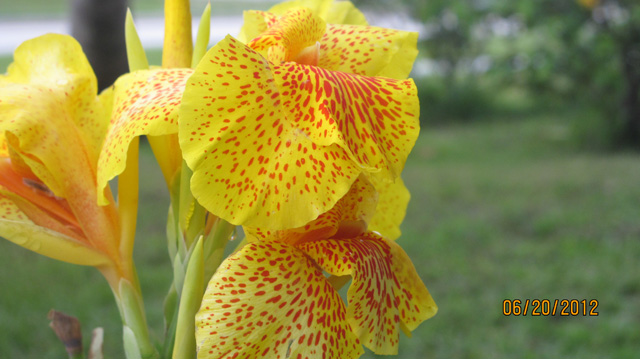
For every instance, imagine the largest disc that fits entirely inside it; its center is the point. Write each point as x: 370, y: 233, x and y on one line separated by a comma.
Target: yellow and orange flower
x: 53, y: 124
x: 272, y: 299
x: 278, y: 130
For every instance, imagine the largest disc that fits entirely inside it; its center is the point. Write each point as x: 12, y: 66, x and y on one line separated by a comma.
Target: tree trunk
x: 631, y: 75
x: 98, y: 25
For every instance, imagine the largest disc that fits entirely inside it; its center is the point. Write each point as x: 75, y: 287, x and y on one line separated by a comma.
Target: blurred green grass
x: 500, y: 209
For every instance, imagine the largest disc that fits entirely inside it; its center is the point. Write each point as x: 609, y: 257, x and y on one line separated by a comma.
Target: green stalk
x: 192, y: 292
x: 135, y: 322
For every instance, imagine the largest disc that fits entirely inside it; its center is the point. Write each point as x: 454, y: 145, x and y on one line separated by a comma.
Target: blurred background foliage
x: 516, y: 190
x: 485, y: 56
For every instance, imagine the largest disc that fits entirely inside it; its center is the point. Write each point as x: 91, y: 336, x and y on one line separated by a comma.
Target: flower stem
x: 128, y: 203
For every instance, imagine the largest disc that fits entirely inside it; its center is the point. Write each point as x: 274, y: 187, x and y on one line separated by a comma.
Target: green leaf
x: 170, y: 319
x: 202, y: 39
x: 215, y: 242
x: 172, y: 233
x: 131, y: 348
x: 178, y: 272
x: 135, y: 52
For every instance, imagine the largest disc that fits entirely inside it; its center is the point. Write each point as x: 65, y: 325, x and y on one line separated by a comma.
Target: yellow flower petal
x: 251, y: 166
x: 255, y: 22
x: 343, y: 12
x: 145, y: 103
x: 348, y: 218
x: 17, y: 228
x: 294, y: 31
x: 374, y: 118
x: 269, y: 300
x: 393, y: 198
x: 333, y: 12
x: 57, y: 62
x: 4, y: 147
x: 368, y: 50
x: 386, y: 290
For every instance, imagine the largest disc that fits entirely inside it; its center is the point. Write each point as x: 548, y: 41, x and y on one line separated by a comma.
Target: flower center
x: 309, y: 55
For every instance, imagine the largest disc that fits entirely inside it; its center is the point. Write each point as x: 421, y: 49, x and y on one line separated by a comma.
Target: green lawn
x: 503, y: 209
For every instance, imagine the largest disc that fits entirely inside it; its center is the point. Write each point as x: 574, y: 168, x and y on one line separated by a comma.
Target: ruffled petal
x: 368, y: 50
x: 250, y: 165
x: 349, y: 217
x: 284, y: 40
x: 374, y: 118
x: 393, y: 199
x: 56, y: 63
x: 145, y: 103
x: 270, y: 301
x: 386, y: 291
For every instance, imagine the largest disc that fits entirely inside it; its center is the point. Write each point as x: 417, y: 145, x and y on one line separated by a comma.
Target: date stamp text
x: 550, y: 307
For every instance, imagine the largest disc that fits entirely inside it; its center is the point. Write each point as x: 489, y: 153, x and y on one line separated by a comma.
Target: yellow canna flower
x: 53, y: 125
x: 278, y: 130
x: 271, y: 298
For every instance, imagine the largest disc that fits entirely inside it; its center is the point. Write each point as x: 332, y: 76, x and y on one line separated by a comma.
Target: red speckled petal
x: 333, y: 12
x: 368, y: 50
x: 270, y: 301
x: 251, y: 166
x: 145, y: 103
x: 295, y: 30
x: 348, y: 217
x: 393, y: 198
x: 374, y: 118
x: 385, y: 290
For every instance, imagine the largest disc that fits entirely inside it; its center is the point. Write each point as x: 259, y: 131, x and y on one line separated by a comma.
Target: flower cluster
x: 298, y: 131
